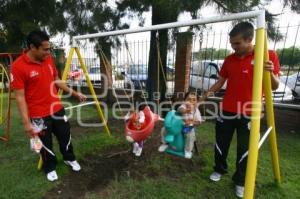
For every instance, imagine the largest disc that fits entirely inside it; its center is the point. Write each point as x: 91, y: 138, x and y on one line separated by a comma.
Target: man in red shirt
x: 34, y: 79
x: 235, y: 109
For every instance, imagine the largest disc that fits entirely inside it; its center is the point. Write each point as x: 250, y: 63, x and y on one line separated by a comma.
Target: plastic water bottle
x: 35, y: 142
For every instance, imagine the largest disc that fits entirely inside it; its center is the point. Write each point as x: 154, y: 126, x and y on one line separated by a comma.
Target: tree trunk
x: 157, y: 89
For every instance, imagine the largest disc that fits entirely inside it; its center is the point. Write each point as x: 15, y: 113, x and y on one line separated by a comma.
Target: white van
x: 205, y: 73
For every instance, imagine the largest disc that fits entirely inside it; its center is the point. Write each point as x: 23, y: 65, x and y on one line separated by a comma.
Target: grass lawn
x: 19, y: 177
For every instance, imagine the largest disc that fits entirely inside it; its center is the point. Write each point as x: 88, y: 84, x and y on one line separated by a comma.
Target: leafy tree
x: 293, y: 4
x: 211, y: 54
x: 91, y: 16
x: 289, y: 56
x: 19, y: 17
x: 164, y: 11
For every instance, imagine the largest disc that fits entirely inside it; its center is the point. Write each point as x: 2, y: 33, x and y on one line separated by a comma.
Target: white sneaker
x: 215, y: 176
x: 239, y: 191
x: 188, y: 155
x: 138, y: 152
x: 52, y: 176
x: 162, y: 147
x: 74, y: 164
x: 135, y: 147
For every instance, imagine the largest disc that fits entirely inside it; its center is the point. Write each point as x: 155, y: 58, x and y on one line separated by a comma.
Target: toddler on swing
x: 138, y: 120
x: 191, y: 117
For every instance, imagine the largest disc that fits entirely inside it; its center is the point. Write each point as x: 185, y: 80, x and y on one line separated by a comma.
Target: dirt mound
x: 118, y: 163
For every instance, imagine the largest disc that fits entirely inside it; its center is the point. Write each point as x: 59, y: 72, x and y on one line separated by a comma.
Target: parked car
x: 94, y: 75
x: 136, y: 74
x: 292, y: 81
x: 204, y: 74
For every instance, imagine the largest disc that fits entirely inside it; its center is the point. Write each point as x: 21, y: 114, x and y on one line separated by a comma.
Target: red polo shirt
x: 37, y: 80
x: 239, y: 74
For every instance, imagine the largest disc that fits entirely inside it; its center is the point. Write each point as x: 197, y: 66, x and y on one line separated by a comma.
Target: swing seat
x: 136, y: 135
x: 174, y: 125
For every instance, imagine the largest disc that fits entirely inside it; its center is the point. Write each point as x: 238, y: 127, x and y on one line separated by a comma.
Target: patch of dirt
x: 118, y: 162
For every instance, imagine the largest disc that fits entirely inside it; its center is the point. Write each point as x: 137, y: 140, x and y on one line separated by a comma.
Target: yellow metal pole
x: 85, y: 72
x: 40, y: 163
x: 270, y: 115
x: 67, y: 68
x: 255, y: 114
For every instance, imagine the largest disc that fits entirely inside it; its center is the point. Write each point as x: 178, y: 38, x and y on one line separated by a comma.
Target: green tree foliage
x: 19, y: 17
x: 164, y: 11
x: 92, y: 16
x: 289, y: 56
x: 293, y: 4
x: 211, y: 54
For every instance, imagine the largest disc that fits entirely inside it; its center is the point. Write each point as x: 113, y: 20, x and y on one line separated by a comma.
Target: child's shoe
x: 139, y: 151
x: 162, y: 147
x: 188, y: 155
x: 135, y: 148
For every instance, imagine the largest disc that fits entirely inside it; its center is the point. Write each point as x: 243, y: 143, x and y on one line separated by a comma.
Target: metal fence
x: 129, y: 62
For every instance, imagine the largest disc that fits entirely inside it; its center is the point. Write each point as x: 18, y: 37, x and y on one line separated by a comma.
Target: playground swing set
x: 261, y: 55
x: 172, y: 120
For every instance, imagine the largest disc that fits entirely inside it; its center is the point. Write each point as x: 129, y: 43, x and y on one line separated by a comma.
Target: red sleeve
x: 223, y: 71
x: 18, y: 77
x: 274, y: 58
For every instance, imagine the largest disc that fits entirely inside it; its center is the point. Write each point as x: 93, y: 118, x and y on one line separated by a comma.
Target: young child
x: 191, y: 117
x: 138, y: 119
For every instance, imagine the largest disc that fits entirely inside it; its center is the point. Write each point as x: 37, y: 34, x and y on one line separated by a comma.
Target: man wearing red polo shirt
x: 34, y: 79
x: 235, y: 109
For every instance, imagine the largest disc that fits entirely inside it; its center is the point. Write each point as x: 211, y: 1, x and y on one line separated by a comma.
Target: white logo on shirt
x: 245, y: 71
x: 252, y: 62
x: 34, y: 73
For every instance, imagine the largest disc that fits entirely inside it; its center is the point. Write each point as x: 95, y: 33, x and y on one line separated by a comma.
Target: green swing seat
x: 174, y: 137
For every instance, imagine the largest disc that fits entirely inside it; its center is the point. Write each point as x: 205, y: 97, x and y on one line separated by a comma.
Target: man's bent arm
x: 62, y: 85
x: 216, y: 87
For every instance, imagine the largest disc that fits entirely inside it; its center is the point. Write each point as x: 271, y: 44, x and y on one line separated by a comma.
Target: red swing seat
x: 136, y: 135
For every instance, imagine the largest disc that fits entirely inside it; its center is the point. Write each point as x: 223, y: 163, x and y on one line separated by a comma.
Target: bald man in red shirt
x: 34, y: 79
x: 235, y: 109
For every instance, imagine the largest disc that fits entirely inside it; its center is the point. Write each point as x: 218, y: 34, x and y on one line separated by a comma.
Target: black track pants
x: 227, y: 123
x: 58, y: 125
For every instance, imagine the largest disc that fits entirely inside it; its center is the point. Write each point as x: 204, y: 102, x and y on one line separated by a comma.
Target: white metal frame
x: 261, y: 55
x: 259, y: 14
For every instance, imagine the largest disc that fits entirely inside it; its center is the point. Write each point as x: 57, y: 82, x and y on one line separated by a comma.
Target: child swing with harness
x: 139, y: 126
x: 178, y: 134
